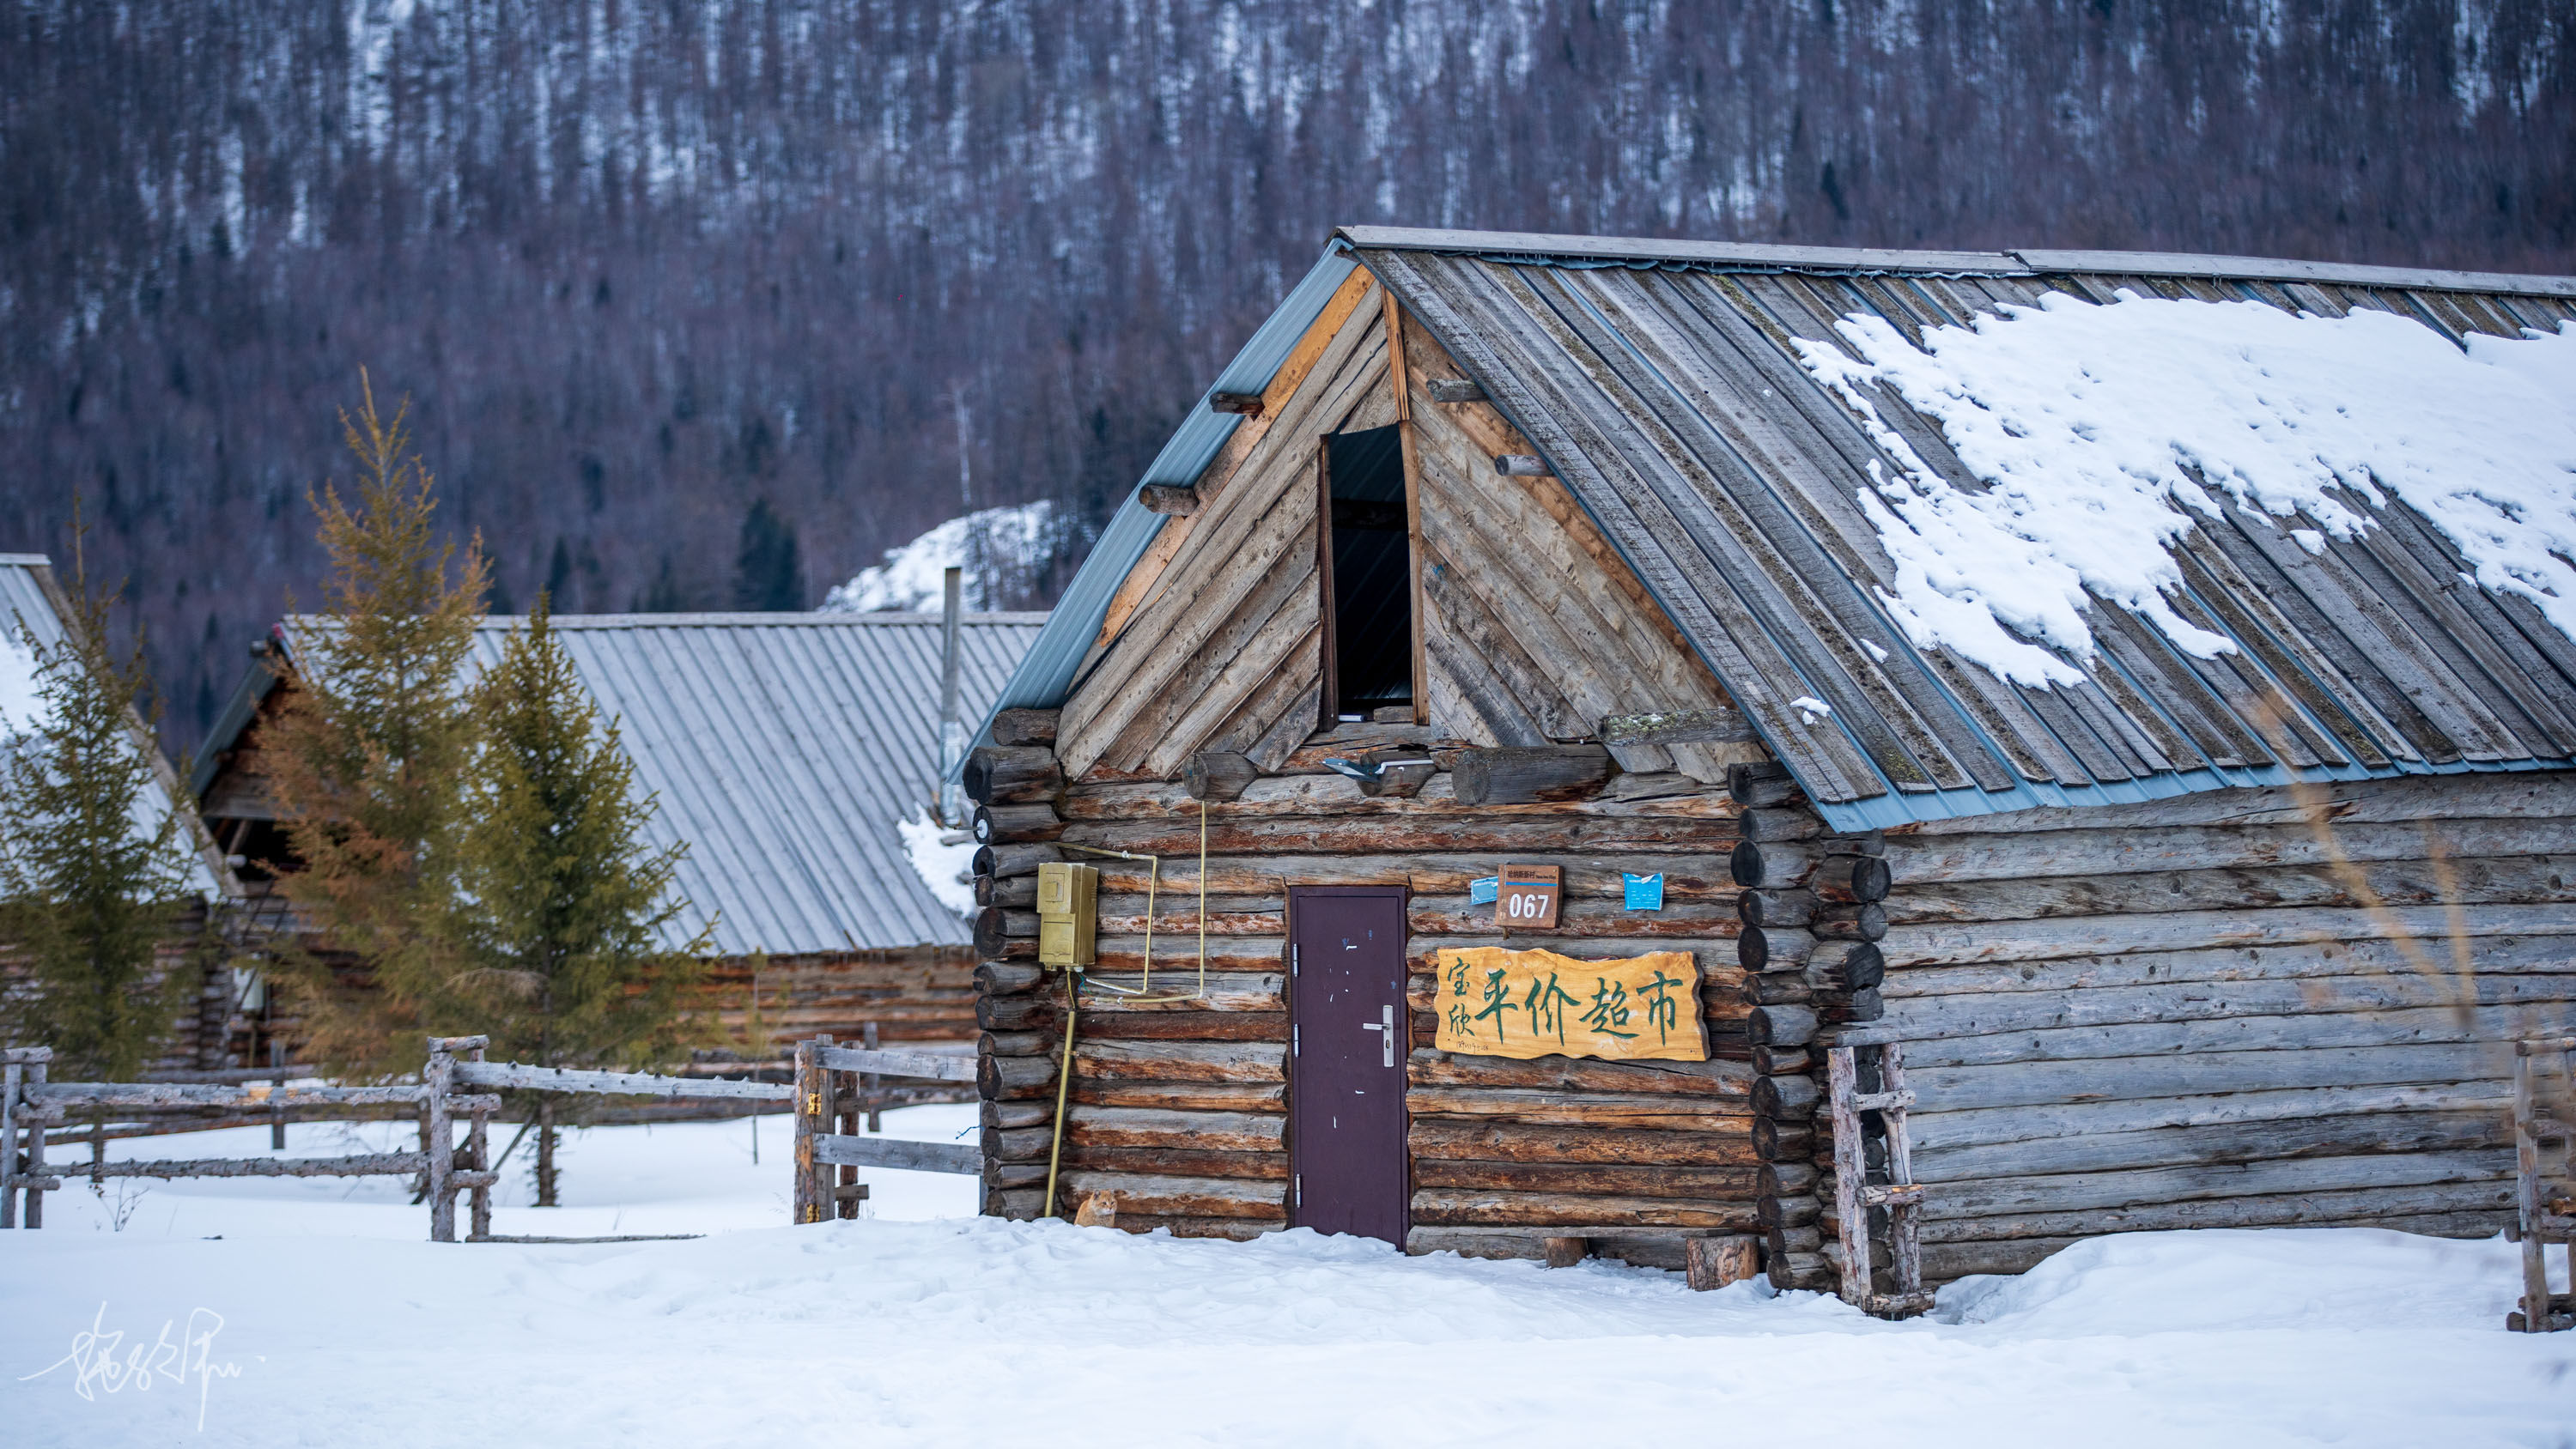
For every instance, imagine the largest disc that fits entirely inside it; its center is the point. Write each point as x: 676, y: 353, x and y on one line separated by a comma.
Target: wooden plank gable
x: 1532, y: 628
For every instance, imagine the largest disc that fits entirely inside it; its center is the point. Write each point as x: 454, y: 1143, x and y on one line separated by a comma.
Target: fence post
x: 9, y: 1144
x: 872, y: 1087
x: 32, y: 1132
x: 277, y: 1085
x: 478, y: 1144
x: 810, y: 1087
x: 436, y: 1076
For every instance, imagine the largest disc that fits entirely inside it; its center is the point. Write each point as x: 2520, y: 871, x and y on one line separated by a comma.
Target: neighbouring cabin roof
x: 1966, y: 532
x: 786, y: 750
x: 28, y: 593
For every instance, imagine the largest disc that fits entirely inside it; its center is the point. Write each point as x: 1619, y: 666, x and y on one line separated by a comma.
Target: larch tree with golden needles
x: 371, y: 751
x: 564, y: 910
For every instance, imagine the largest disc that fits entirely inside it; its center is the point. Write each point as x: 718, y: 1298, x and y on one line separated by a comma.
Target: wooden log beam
x: 1025, y: 726
x: 1002, y: 861
x: 1522, y: 465
x: 375, y: 1164
x: 1219, y: 775
x: 1761, y: 785
x: 1521, y: 775
x: 1012, y: 774
x: 1755, y: 864
x: 1715, y: 724
x: 1016, y: 824
x: 841, y: 1150
x: 620, y: 1084
x: 1248, y: 404
x: 1176, y: 501
x: 1453, y: 389
x: 1850, y: 879
x: 928, y: 1065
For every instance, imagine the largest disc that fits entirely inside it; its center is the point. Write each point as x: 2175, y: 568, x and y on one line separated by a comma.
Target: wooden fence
x: 837, y: 1089
x: 2544, y: 1141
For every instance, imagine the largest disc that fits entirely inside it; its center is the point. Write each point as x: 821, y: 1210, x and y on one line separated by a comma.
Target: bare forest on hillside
x: 702, y: 305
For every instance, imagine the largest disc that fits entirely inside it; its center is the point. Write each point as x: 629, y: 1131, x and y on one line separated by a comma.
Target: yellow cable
x: 1063, y: 1080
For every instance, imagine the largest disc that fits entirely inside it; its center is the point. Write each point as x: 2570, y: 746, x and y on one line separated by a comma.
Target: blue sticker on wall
x: 1482, y: 890
x: 1645, y: 892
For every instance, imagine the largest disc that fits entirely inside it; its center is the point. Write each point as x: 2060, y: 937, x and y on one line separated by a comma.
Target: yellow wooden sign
x: 1502, y: 1003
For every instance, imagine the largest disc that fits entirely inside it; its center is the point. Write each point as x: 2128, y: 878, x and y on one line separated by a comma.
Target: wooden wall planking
x: 2238, y: 1008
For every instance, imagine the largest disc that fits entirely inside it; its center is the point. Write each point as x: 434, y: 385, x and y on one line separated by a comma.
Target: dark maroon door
x: 1347, y: 1044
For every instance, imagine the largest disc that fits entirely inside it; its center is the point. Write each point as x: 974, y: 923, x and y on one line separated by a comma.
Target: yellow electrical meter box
x: 1068, y: 914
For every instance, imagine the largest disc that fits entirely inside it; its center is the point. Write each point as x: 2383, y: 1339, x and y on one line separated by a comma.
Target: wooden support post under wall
x: 438, y: 1076
x: 808, y: 1206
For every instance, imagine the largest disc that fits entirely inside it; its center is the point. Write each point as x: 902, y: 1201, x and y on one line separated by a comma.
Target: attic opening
x: 1368, y: 582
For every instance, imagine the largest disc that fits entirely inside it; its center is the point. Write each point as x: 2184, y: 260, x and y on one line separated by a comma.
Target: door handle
x: 1385, y: 1028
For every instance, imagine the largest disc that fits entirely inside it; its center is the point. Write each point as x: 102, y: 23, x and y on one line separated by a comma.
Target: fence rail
x: 836, y: 1089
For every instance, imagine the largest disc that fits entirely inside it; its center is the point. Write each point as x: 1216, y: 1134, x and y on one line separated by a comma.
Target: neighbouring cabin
x: 1517, y: 610
x: 798, y: 757
x: 31, y: 597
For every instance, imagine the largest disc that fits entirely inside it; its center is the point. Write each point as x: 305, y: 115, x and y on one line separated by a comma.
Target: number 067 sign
x: 1527, y: 897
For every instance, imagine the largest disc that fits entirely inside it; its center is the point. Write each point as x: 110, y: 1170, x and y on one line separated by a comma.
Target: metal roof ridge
x: 1674, y: 249
x: 2287, y: 269
x: 794, y: 619
x: 2018, y: 260
x: 26, y: 561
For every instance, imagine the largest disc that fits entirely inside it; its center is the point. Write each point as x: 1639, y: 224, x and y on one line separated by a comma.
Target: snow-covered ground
x: 339, y: 1326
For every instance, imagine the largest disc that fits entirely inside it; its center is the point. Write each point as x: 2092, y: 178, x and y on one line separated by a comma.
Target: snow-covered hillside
x: 310, y: 1313
x: 999, y: 548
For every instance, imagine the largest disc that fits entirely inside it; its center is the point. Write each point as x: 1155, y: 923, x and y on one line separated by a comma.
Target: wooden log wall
x: 1179, y: 1110
x: 925, y: 993
x: 2224, y: 1010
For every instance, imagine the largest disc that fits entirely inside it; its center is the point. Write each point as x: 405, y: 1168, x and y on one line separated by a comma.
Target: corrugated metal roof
x: 1659, y: 379
x: 784, y: 748
x: 1670, y: 401
x: 24, y: 596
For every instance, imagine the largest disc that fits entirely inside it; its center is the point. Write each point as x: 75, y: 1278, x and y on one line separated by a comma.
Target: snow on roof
x: 1856, y: 584
x: 2104, y: 429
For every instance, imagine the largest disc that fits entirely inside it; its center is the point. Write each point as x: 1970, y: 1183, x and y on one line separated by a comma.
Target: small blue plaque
x: 1645, y: 892
x: 1482, y: 890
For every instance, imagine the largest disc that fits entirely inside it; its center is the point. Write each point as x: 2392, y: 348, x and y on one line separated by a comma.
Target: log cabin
x: 34, y: 608
x: 1961, y: 650
x: 791, y: 752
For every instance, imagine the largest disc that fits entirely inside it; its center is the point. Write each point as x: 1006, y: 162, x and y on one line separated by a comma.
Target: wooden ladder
x: 1855, y: 1195
x: 2544, y: 1183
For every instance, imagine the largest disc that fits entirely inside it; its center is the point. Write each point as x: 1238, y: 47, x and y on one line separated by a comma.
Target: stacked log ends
x: 1003, y: 861
x: 1760, y: 948
x: 1013, y: 774
x: 1015, y: 783
x: 1757, y: 786
x: 1769, y: 865
x: 1015, y: 824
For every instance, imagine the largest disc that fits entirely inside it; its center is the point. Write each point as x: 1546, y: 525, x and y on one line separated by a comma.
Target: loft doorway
x: 1368, y: 573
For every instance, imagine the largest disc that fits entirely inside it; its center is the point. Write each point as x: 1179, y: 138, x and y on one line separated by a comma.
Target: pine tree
x: 369, y: 752
x: 563, y: 908
x: 90, y: 882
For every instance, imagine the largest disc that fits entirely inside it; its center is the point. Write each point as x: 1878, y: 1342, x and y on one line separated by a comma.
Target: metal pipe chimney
x: 952, y: 728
